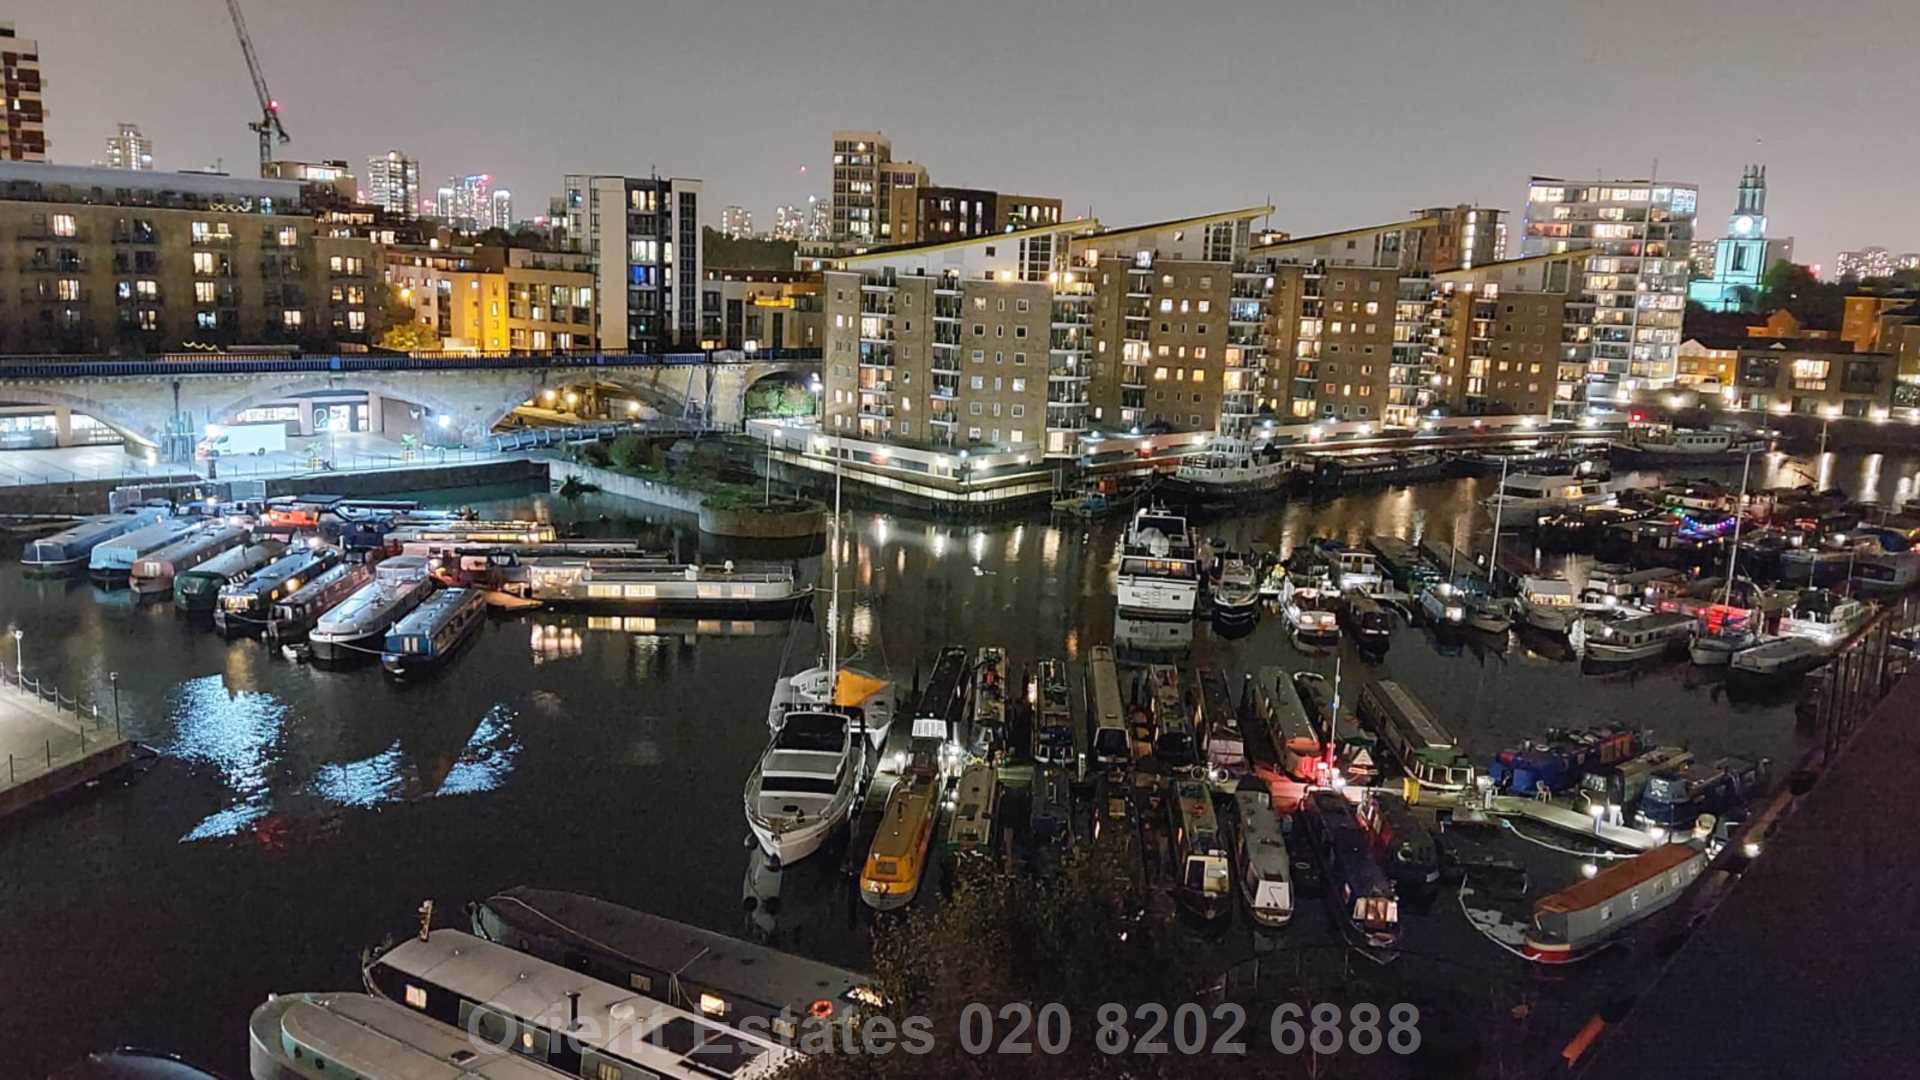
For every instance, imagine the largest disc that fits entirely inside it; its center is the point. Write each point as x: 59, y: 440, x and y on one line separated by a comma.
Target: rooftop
x: 1183, y: 223
x: 1369, y: 230
x: 881, y: 253
x: 29, y: 181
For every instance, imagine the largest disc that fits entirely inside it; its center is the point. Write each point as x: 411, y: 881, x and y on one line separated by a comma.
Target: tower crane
x: 268, y: 127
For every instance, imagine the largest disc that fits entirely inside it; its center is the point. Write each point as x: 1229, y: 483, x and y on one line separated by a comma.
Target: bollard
x: 49, y: 753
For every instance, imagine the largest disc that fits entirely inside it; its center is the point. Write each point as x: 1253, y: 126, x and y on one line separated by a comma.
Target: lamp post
x: 19, y: 654
x: 113, y: 680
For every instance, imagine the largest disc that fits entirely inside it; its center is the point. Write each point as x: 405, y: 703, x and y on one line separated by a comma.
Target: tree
x: 1794, y: 288
x: 628, y: 452
x: 1087, y: 934
x: 394, y: 324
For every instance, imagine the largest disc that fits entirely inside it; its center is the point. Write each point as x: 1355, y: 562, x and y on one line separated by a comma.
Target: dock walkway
x: 51, y: 744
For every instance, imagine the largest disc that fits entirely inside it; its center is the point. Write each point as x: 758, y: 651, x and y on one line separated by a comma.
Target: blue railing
x: 69, y: 367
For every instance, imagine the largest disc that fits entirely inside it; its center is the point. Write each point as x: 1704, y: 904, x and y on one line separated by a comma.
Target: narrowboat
x: 488, y: 993
x: 1674, y: 799
x: 1425, y: 749
x: 1367, y: 620
x: 196, y: 591
x: 1202, y: 882
x: 357, y: 626
x: 1050, y: 817
x: 669, y: 961
x: 976, y: 799
x: 1275, y: 698
x: 1574, y: 922
x: 897, y: 858
x: 243, y: 606
x: 1777, y: 658
x: 1265, y: 868
x: 112, y: 560
x: 153, y: 574
x: 1352, y: 470
x: 1359, y: 893
x: 293, y: 615
x: 432, y: 632
x: 1226, y: 743
x: 1400, y: 842
x: 991, y: 698
x: 1173, y: 733
x: 1403, y: 563
x: 1622, y: 785
x: 1051, y: 699
x: 298, y: 1036
x: 1548, y: 604
x: 69, y: 549
x: 472, y: 532
x: 1106, y: 711
x: 1349, y: 749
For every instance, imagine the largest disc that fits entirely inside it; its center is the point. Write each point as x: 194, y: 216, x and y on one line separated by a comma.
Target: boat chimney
x: 573, y: 1010
x: 426, y: 919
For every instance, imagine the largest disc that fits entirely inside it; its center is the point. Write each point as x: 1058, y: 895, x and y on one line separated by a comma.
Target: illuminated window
x: 417, y: 997
x: 63, y: 225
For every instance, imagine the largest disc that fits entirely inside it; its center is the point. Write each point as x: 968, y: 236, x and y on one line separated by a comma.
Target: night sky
x: 1342, y: 113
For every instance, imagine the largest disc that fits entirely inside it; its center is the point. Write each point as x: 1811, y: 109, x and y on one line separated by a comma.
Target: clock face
x: 1743, y: 224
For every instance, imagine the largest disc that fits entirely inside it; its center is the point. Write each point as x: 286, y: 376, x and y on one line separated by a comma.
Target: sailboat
x: 828, y: 722
x: 1717, y: 650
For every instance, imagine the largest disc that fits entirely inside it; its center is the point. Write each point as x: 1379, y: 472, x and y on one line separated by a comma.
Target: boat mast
x: 1333, y: 721
x: 1739, y: 513
x: 1499, y: 506
x: 833, y: 598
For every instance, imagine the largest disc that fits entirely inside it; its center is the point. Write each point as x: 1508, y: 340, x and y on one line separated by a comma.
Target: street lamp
x: 19, y: 654
x: 113, y: 679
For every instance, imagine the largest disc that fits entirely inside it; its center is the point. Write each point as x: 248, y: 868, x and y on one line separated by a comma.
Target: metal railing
x: 88, y: 729
x: 68, y: 367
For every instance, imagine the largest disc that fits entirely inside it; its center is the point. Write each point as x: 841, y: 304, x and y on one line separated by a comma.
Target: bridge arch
x: 132, y: 424
x: 225, y: 407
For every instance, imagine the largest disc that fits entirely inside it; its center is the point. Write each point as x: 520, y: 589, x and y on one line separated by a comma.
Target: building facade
x: 642, y: 236
x: 1813, y: 378
x: 864, y: 176
x: 1178, y: 338
x: 970, y: 343
x: 103, y: 262
x: 930, y: 214
x: 771, y: 310
x: 1742, y: 258
x: 393, y: 184
x: 497, y: 300
x: 127, y: 148
x: 736, y: 222
x: 1637, y: 238
x: 1495, y: 333
x: 473, y: 204
x: 25, y: 135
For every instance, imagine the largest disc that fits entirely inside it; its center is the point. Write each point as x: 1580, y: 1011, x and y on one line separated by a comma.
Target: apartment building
x: 25, y: 135
x: 772, y: 310
x: 112, y: 261
x: 934, y: 213
x: 969, y: 343
x: 127, y: 148
x: 393, y: 184
x: 1495, y: 334
x: 642, y: 236
x: 1348, y: 319
x: 497, y: 300
x: 1861, y: 318
x: 1822, y: 377
x: 864, y: 178
x: 1178, y: 336
x: 1637, y: 236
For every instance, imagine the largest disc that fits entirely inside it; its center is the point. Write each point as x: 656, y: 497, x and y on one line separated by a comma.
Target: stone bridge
x: 164, y: 402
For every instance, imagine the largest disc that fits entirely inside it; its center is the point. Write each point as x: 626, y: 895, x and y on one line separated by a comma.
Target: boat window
x: 417, y: 997
x: 1606, y: 912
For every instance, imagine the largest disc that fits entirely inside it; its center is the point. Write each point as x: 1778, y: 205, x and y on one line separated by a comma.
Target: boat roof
x: 1617, y: 879
x: 647, y: 1032
x: 433, y: 609
x: 369, y: 1036
x: 235, y: 559
x: 908, y: 808
x: 690, y: 952
x: 1261, y: 832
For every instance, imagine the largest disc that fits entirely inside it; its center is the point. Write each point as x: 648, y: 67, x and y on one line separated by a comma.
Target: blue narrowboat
x: 433, y: 631
x: 65, y: 551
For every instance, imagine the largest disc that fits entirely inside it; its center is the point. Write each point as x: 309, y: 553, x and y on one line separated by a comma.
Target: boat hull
x: 1710, y: 652
x: 53, y: 567
x: 334, y: 649
x: 789, y: 846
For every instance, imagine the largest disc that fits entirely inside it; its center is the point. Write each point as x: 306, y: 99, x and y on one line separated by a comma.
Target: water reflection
x: 234, y: 733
